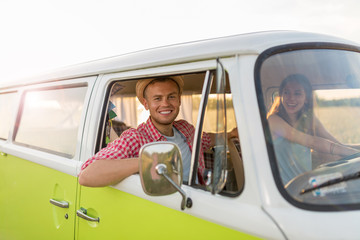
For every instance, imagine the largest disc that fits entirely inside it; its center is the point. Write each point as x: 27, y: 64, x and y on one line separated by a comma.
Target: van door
x: 40, y: 149
x: 124, y: 211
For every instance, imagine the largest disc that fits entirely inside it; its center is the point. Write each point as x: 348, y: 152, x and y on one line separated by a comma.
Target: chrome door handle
x: 82, y: 213
x: 62, y: 204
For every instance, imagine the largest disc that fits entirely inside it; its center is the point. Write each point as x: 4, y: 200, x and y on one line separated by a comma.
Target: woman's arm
x: 280, y: 128
x: 322, y: 132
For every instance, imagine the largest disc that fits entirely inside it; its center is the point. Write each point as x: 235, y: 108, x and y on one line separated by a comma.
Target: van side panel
x: 25, y: 209
x: 125, y: 216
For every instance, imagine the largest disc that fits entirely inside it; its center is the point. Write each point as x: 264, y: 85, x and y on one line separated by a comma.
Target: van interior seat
x: 237, y: 162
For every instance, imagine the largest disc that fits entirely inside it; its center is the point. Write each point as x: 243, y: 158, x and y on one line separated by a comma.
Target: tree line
x: 353, y: 102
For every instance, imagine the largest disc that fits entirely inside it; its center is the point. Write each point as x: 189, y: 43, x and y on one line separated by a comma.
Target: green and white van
x: 51, y: 124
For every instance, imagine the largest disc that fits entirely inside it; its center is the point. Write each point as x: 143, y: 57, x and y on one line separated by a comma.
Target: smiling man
x: 162, y: 97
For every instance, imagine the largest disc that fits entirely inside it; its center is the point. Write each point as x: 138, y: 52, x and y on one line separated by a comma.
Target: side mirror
x: 160, y: 170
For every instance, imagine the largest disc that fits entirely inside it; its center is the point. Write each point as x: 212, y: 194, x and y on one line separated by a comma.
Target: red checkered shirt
x: 129, y: 143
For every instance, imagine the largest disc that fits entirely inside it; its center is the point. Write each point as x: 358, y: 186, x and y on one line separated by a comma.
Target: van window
x: 235, y: 175
x: 123, y: 111
x: 234, y: 165
x: 7, y: 109
x: 316, y: 93
x: 50, y: 119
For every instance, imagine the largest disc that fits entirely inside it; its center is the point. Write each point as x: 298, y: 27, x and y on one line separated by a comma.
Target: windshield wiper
x: 332, y: 182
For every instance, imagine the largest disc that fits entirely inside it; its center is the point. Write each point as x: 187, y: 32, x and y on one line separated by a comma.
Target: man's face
x: 162, y: 99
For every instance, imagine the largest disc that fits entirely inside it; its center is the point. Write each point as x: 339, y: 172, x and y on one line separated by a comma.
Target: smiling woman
x: 292, y: 107
x: 292, y: 123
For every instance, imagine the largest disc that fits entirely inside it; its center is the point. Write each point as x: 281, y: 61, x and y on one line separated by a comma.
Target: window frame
x: 109, y: 80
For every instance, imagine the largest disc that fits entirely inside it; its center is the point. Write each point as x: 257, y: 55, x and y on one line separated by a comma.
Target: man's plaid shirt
x: 129, y: 143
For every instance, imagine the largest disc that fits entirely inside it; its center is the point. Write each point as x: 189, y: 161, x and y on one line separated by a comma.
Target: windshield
x: 310, y: 100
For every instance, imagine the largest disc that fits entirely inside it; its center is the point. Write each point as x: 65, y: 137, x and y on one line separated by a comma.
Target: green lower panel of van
x: 125, y: 216
x: 25, y: 209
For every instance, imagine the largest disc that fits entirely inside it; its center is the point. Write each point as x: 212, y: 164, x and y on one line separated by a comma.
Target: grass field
x: 341, y: 122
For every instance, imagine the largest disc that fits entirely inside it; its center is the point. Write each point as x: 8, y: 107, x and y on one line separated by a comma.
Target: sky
x: 40, y: 35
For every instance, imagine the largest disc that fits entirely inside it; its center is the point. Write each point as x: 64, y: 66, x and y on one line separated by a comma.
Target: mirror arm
x: 186, y: 202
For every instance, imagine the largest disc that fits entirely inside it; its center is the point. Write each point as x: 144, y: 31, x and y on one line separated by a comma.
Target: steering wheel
x: 341, y: 160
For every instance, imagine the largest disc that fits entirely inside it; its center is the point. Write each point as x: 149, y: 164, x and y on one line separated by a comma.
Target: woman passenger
x: 295, y: 130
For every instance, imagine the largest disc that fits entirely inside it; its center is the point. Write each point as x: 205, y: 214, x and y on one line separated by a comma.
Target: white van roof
x: 251, y: 43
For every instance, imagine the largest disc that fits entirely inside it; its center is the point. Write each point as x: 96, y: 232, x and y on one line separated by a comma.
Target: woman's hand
x: 342, y: 150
